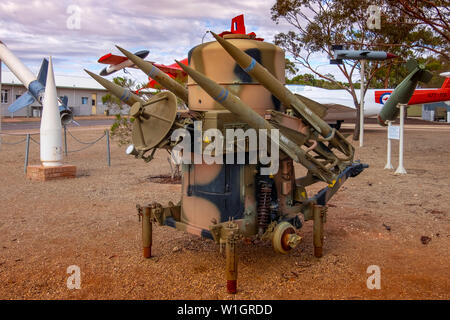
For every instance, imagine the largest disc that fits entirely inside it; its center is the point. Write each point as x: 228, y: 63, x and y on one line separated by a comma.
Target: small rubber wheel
x: 280, y: 237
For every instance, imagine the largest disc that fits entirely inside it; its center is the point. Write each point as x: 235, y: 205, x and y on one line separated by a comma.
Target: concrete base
x: 40, y: 173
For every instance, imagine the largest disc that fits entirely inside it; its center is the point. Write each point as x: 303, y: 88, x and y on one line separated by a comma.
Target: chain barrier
x: 79, y: 141
x: 13, y: 143
x: 89, y: 144
x: 37, y: 142
x: 28, y: 137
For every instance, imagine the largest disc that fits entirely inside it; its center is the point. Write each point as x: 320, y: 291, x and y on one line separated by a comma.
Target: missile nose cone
x: 123, y: 94
x: 50, y: 95
x: 391, y: 56
x: 51, y: 140
x: 97, y: 78
x: 132, y: 57
x: 93, y: 75
x: 214, y: 35
x: 183, y: 66
x: 125, y: 52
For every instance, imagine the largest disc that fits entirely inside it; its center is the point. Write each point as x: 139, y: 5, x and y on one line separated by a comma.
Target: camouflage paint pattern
x: 215, y: 63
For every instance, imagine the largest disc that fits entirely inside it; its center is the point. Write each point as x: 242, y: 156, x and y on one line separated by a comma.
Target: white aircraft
x: 341, y: 106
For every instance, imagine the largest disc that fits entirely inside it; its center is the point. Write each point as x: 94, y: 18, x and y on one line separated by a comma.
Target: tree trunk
x: 386, y: 79
x: 357, y: 122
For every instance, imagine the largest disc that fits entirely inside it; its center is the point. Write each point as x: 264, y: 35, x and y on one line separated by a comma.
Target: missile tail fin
x: 336, y: 61
x: 425, y: 76
x: 42, y: 76
x: 411, y: 65
x: 65, y: 101
x: 337, y: 47
x: 24, y: 101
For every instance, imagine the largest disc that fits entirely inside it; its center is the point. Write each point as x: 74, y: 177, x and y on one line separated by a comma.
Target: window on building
x: 4, y: 95
x: 18, y: 96
x: 84, y: 100
x: 93, y: 102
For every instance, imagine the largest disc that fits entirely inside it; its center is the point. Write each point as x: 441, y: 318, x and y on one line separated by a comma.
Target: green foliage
x: 121, y: 130
x: 290, y: 67
x: 320, y: 24
x: 308, y: 79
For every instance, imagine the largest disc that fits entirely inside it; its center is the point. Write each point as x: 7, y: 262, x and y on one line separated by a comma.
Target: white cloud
x: 36, y: 29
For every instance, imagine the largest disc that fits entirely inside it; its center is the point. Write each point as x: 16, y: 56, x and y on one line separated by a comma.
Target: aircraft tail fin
x: 446, y: 84
x: 42, y: 76
x: 411, y: 65
x: 24, y: 101
x: 425, y: 76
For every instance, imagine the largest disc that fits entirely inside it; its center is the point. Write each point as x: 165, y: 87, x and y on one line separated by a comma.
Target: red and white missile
x: 51, y: 139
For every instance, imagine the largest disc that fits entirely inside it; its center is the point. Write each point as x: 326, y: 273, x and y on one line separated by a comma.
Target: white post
x: 400, y: 168
x: 361, y: 106
x: 388, y: 163
x: 1, y: 108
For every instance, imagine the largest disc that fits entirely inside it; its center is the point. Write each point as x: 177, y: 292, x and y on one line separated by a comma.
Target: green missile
x: 404, y: 91
x: 159, y: 76
x: 257, y: 71
x: 236, y: 106
x: 123, y: 94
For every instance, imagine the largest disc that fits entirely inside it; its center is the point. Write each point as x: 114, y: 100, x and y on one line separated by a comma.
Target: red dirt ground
x: 91, y: 222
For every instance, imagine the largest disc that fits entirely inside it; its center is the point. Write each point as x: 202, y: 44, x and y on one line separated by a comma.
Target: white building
x: 84, y: 93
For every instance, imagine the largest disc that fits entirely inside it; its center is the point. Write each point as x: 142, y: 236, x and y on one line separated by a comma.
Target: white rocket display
x: 51, y: 138
x: 35, y: 86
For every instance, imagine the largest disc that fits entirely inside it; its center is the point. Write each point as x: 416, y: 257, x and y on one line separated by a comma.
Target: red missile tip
x: 381, y: 122
x: 391, y: 56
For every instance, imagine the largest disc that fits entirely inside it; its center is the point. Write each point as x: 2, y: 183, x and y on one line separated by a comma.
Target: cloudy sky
x: 168, y: 28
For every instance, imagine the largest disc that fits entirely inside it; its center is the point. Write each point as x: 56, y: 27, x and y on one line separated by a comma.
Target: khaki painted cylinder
x: 147, y: 232
x: 215, y: 63
x: 318, y: 231
x: 231, y: 264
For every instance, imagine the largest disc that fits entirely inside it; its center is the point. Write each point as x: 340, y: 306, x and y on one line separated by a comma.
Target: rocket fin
x: 64, y: 101
x: 425, y: 76
x: 42, y: 76
x: 411, y: 65
x: 24, y: 101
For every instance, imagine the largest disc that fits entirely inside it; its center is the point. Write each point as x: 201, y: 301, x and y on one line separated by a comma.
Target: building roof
x: 62, y: 81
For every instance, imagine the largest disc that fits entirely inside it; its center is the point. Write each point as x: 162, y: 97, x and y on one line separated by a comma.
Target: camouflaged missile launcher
x: 237, y: 82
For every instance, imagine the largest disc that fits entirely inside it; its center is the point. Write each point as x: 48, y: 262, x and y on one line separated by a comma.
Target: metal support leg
x: 231, y: 256
x: 319, y: 219
x: 401, y: 168
x: 27, y: 151
x: 108, y: 148
x: 389, y: 148
x: 65, y: 140
x: 147, y: 232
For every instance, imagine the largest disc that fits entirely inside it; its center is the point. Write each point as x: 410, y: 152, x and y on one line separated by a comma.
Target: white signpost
x: 391, y: 135
x: 396, y: 133
x: 400, y: 168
